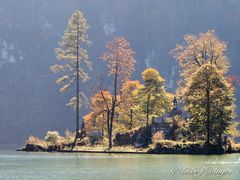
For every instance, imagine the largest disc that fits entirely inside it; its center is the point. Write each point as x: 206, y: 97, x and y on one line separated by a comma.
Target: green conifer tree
x: 209, y: 100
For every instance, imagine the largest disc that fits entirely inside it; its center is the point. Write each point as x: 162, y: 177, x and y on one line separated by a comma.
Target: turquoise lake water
x: 34, y: 166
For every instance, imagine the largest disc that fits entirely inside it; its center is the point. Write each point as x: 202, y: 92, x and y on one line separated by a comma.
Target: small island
x: 141, y: 116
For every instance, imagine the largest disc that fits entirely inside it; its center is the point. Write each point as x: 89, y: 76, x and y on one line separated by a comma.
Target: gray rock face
x: 29, y: 31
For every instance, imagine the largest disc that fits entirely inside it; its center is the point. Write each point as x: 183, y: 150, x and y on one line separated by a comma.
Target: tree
x: 128, y: 108
x: 209, y: 100
x: 100, y: 108
x: 197, y: 51
x: 71, y: 52
x: 120, y: 59
x: 233, y: 81
x: 154, y: 101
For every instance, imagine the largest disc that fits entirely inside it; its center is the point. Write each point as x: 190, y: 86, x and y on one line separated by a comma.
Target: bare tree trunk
x: 147, y: 123
x: 147, y: 110
x: 77, y: 92
x: 208, y: 112
x: 109, y: 131
x: 103, y: 126
x: 110, y: 140
x: 83, y: 133
x: 131, y: 119
x: 114, y: 100
x: 219, y: 140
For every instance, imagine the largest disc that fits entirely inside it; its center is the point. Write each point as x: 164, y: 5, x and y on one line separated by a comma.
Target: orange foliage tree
x: 233, y: 81
x: 96, y: 119
x: 120, y: 59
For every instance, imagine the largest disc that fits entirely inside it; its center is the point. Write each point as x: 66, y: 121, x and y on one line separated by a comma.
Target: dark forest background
x: 30, y: 30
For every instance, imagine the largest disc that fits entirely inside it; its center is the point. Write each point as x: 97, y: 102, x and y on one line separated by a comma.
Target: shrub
x: 235, y: 148
x: 52, y: 138
x: 105, y: 141
x: 69, y: 137
x: 168, y: 143
x: 158, y: 136
x: 35, y: 141
x: 178, y: 130
x: 84, y: 142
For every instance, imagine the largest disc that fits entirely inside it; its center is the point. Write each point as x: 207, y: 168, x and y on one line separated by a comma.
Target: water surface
x: 22, y: 165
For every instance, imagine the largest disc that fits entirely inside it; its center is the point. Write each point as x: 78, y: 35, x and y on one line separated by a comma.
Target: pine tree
x: 74, y: 61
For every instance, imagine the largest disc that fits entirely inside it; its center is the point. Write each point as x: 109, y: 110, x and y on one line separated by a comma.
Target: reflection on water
x: 22, y: 165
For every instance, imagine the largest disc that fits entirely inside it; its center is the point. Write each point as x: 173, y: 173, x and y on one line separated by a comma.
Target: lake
x: 23, y: 165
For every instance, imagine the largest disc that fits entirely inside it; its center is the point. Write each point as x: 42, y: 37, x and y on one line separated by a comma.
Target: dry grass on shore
x: 114, y: 148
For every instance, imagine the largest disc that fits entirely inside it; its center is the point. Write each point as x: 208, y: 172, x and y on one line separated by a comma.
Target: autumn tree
x: 209, y: 100
x: 120, y: 59
x: 234, y: 81
x: 154, y: 101
x: 101, y: 106
x: 74, y: 60
x: 129, y: 106
x: 198, y: 50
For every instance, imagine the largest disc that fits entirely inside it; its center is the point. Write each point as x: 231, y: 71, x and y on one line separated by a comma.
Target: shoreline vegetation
x: 141, y: 116
x: 163, y: 147
x: 55, y: 143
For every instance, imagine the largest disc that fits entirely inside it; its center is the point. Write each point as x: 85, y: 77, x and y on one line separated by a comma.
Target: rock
x: 33, y: 148
x: 173, y: 147
x: 52, y: 148
x: 134, y: 137
x: 213, y: 149
x: 122, y: 139
x: 84, y: 142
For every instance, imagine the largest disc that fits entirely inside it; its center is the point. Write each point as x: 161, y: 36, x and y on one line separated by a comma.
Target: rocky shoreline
x: 162, y: 147
x: 168, y: 147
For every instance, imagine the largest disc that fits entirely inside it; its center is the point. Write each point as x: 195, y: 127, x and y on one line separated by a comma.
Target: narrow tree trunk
x: 147, y: 110
x: 108, y: 129
x: 114, y: 100
x: 147, y: 123
x: 102, y: 130
x: 131, y: 119
x: 83, y: 133
x: 220, y: 139
x: 208, y: 112
x: 77, y: 91
x: 110, y: 140
x: 111, y: 125
x: 103, y: 125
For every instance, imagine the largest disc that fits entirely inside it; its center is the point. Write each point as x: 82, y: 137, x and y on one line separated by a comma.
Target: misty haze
x: 119, y: 89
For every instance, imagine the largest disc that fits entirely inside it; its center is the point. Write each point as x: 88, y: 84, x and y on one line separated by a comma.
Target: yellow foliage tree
x: 198, y: 50
x: 128, y: 108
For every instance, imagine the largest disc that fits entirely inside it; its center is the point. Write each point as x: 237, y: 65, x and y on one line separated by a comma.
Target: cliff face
x: 29, y: 32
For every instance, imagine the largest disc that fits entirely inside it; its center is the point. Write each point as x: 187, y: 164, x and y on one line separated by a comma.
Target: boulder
x: 213, y: 149
x: 33, y: 148
x: 173, y: 147
x: 136, y: 138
